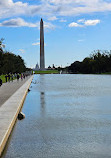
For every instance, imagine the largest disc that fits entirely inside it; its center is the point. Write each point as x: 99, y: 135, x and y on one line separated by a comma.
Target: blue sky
x: 73, y: 29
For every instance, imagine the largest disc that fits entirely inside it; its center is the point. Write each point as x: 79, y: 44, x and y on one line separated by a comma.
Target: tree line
x: 98, y: 62
x: 9, y: 62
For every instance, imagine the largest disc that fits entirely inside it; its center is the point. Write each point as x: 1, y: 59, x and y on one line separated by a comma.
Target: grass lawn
x: 3, y: 78
x: 47, y: 72
x: 106, y: 73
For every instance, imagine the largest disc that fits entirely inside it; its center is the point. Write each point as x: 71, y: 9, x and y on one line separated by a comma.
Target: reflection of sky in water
x: 66, y: 116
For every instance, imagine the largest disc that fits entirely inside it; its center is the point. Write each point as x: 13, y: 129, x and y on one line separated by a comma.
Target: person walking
x: 15, y: 75
x: 0, y: 81
x: 24, y: 76
x: 6, y: 76
x: 21, y: 76
x: 12, y: 77
x: 18, y: 77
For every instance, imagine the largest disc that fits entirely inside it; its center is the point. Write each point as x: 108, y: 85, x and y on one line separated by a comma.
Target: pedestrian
x: 12, y: 77
x: 18, y: 76
x: 6, y: 76
x: 24, y: 76
x: 21, y: 76
x: 0, y: 81
x: 15, y: 75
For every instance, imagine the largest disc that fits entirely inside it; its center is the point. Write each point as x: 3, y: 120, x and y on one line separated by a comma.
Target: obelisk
x: 42, y: 59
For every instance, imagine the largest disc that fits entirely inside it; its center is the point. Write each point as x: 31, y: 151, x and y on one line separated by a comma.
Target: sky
x: 73, y: 29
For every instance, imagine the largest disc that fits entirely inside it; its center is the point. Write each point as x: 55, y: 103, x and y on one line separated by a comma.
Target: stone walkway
x: 9, y: 88
x: 12, y: 96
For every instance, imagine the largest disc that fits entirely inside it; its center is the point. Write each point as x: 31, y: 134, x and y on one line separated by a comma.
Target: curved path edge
x: 9, y: 112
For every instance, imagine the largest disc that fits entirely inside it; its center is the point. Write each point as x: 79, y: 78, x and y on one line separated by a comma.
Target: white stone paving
x: 9, y: 112
x: 9, y: 88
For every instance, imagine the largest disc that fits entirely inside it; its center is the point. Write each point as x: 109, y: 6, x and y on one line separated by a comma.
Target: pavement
x: 12, y: 96
x: 9, y: 88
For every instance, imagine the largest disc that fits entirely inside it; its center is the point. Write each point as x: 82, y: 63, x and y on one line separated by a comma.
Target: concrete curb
x: 9, y: 112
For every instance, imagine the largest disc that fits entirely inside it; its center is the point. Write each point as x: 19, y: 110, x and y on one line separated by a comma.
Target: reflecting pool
x: 67, y: 116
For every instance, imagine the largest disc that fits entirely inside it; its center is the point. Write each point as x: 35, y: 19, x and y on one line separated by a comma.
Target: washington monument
x: 42, y: 58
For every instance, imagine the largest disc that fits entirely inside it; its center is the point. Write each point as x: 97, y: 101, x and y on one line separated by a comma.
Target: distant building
x: 36, y: 67
x: 49, y: 67
x: 53, y: 66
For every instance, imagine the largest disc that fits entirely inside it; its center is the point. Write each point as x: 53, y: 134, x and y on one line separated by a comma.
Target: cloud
x: 81, y: 40
x: 74, y: 24
x: 81, y: 20
x: 36, y: 44
x: 52, y: 18
x: 22, y: 51
x: 48, y: 26
x: 76, y: 7
x: 63, y: 20
x: 18, y: 22
x: 91, y: 22
x: 10, y: 8
x: 83, y: 23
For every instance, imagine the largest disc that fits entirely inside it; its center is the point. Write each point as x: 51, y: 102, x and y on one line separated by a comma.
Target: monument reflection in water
x: 42, y: 102
x: 42, y: 94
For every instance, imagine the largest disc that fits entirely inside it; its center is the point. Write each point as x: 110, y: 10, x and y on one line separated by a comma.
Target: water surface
x: 67, y: 116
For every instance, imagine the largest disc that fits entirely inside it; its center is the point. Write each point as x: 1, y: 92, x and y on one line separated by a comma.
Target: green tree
x: 10, y: 62
x: 98, y: 62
